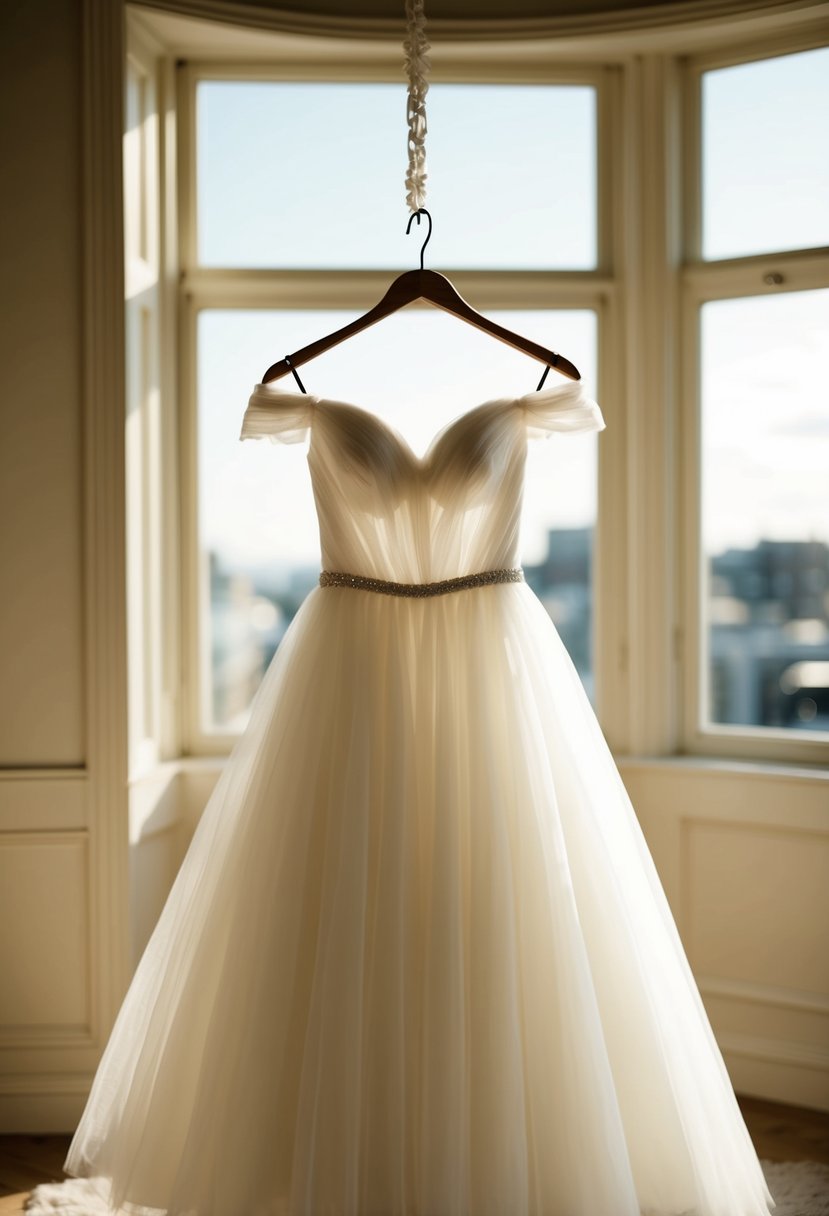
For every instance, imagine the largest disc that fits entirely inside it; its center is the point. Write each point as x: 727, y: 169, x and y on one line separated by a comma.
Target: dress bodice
x: 385, y: 512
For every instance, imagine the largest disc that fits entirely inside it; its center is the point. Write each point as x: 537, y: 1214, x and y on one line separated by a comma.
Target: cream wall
x: 41, y: 642
x: 63, y: 857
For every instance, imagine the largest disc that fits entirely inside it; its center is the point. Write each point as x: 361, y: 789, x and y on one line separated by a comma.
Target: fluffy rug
x: 801, y: 1188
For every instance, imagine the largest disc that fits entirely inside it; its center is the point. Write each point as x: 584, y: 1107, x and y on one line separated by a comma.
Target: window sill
x: 196, y: 766
x: 709, y: 765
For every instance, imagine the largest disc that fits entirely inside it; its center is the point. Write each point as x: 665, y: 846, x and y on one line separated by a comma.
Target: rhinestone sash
x: 336, y: 578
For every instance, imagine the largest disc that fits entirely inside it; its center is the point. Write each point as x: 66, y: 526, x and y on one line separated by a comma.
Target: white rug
x: 801, y: 1188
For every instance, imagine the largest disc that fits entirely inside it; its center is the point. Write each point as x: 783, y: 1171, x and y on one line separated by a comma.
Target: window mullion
x: 650, y: 279
x: 801, y: 269
x: 360, y: 289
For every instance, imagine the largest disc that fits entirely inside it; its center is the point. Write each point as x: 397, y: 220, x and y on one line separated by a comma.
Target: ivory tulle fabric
x: 417, y: 960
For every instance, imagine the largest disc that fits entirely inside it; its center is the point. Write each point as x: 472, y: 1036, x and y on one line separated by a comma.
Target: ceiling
x: 459, y: 10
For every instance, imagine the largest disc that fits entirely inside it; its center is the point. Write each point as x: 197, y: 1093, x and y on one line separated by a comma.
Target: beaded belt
x: 334, y: 578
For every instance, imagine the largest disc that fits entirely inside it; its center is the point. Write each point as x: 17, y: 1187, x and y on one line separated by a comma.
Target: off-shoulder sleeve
x: 277, y: 415
x: 564, y: 407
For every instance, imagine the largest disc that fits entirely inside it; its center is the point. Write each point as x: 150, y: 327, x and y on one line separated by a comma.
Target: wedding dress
x: 417, y: 960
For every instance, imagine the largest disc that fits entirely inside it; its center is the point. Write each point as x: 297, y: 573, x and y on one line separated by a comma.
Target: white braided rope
x: 415, y: 47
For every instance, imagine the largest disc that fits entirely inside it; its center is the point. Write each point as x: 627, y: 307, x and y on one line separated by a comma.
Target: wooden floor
x: 780, y: 1133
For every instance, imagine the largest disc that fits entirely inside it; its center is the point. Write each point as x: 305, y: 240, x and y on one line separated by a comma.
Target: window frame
x: 646, y: 575
x: 719, y: 279
x: 150, y: 435
x: 357, y: 290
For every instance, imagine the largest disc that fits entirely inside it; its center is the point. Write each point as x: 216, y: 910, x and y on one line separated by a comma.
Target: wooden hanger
x: 438, y: 290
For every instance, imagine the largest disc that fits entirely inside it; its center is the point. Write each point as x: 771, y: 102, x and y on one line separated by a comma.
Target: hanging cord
x: 415, y: 46
x: 295, y: 374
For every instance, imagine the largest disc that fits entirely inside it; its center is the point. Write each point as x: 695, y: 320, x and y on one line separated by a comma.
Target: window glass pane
x: 765, y: 509
x: 258, y: 541
x: 312, y: 175
x: 765, y: 171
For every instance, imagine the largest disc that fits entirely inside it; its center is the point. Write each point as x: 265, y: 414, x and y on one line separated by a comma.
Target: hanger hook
x: 416, y: 216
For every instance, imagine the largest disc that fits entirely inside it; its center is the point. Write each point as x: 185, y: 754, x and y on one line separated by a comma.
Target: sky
x: 303, y: 175
x: 307, y: 176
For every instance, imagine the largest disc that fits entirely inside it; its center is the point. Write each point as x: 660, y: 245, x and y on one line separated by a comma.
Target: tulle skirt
x: 417, y: 960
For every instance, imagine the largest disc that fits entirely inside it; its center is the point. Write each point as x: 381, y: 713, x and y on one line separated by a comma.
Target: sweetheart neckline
x: 423, y: 461
x: 400, y: 439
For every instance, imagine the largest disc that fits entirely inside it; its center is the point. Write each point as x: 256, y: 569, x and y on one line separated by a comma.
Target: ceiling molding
x: 592, y: 18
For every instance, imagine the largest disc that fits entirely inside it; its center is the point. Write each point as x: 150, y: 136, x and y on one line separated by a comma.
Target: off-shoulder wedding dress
x: 417, y: 960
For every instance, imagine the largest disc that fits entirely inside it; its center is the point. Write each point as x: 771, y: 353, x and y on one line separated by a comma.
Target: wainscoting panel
x: 742, y: 876
x: 45, y: 946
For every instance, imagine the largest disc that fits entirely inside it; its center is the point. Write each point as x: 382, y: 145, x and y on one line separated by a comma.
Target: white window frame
x: 356, y: 290
x: 704, y: 280
x: 645, y: 291
x: 150, y: 444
